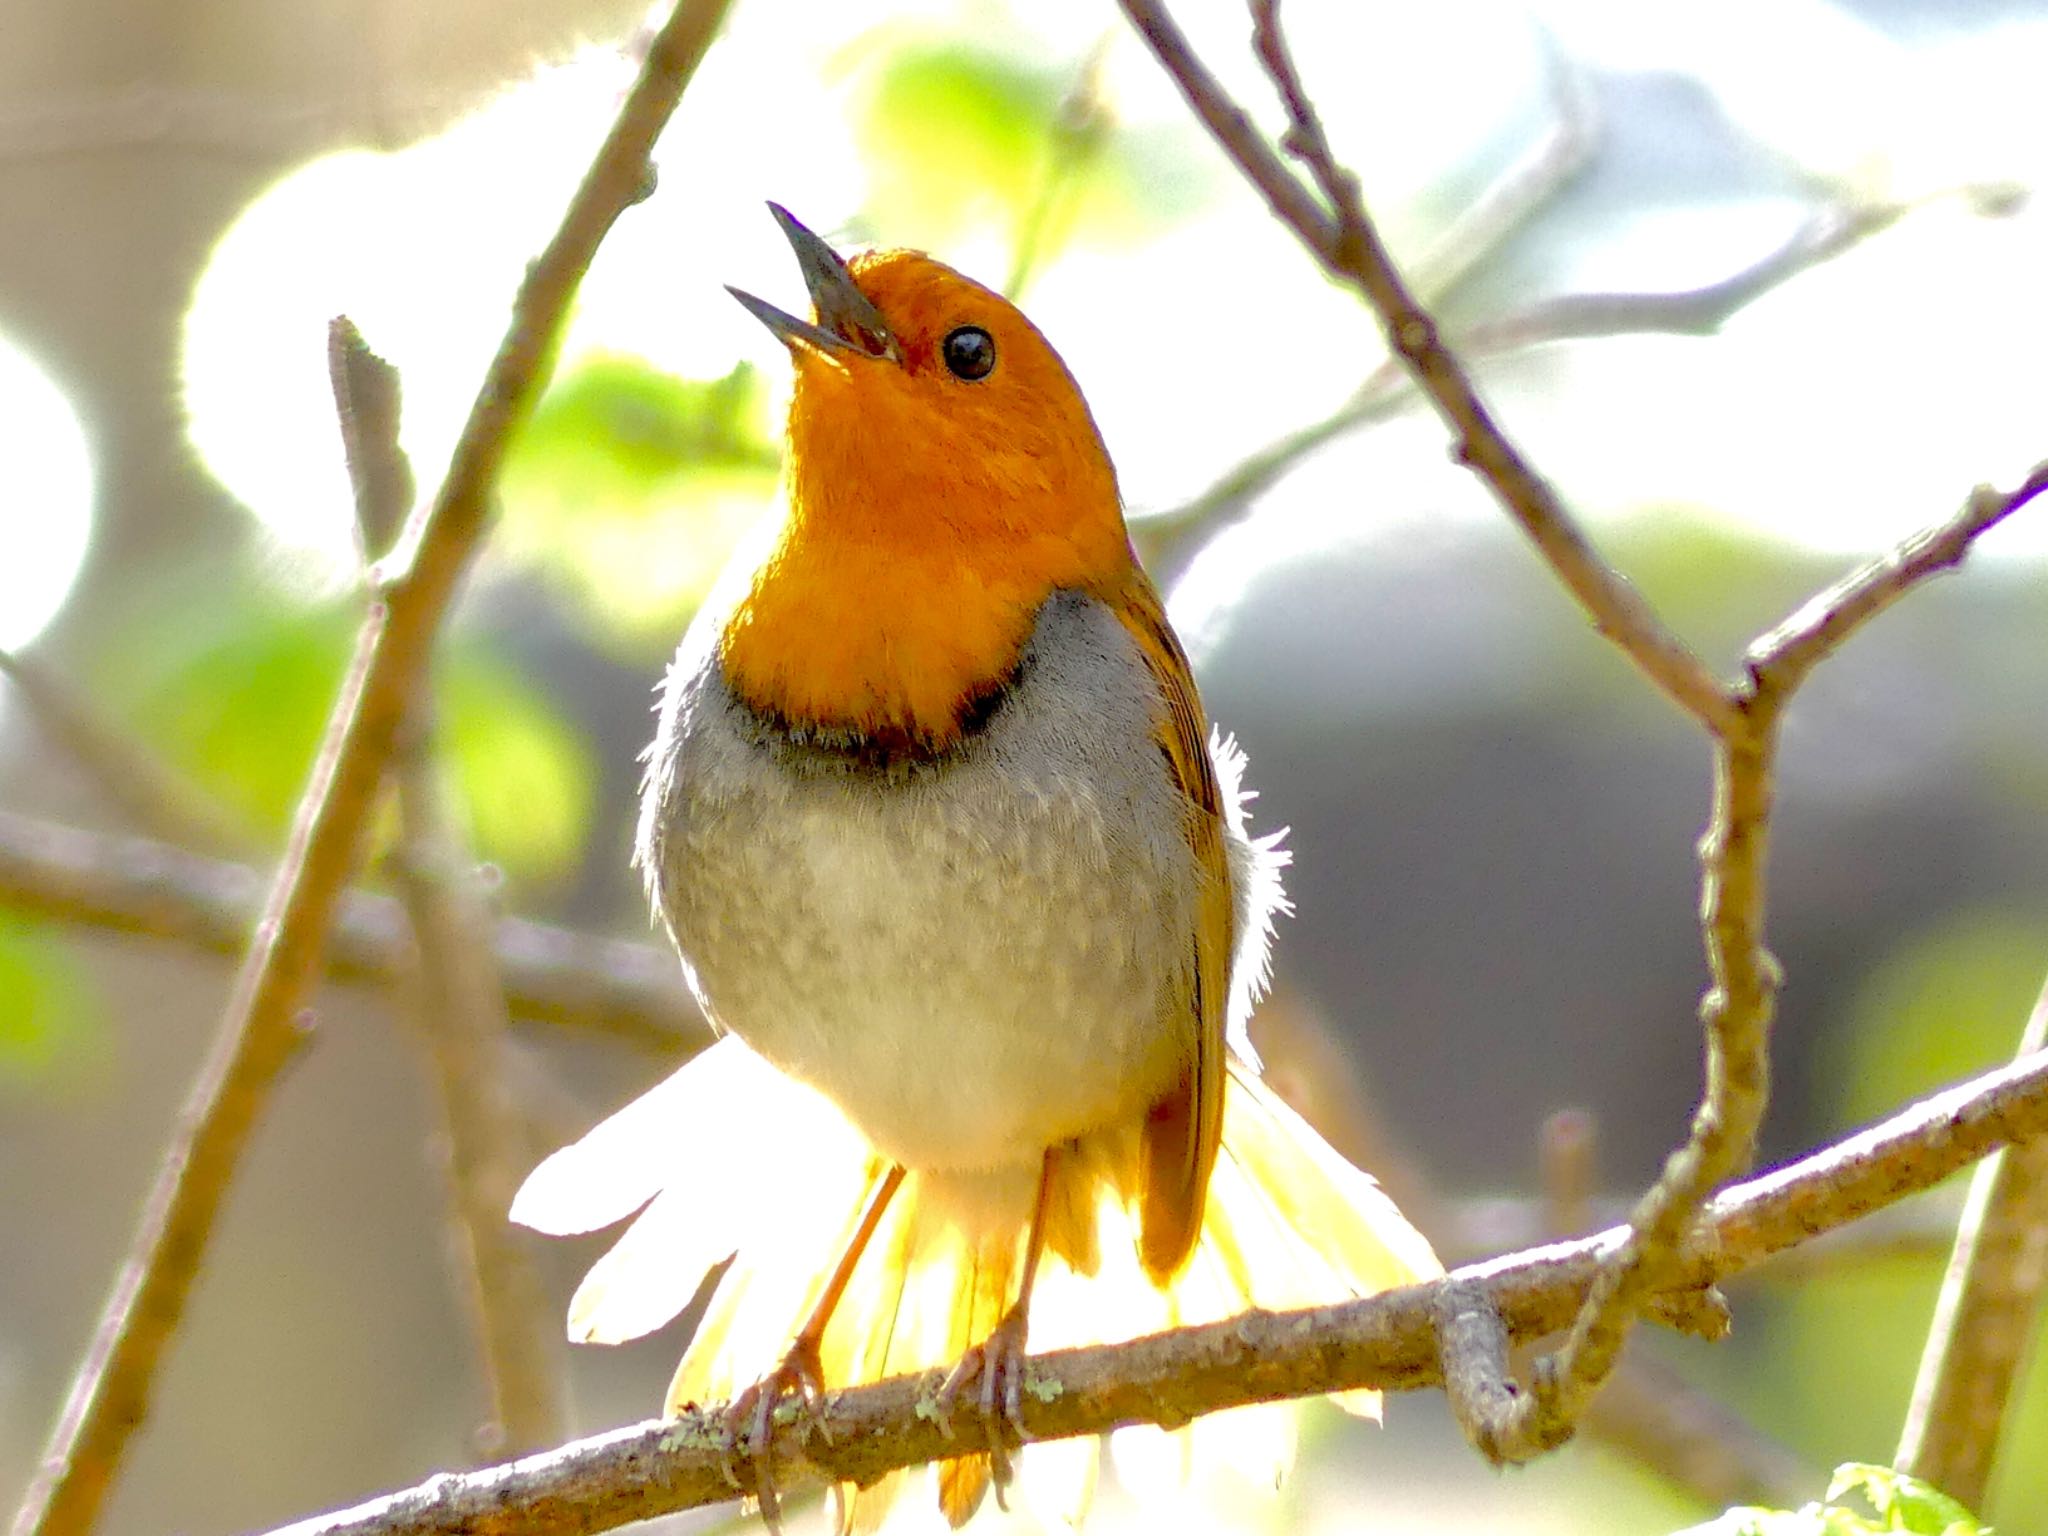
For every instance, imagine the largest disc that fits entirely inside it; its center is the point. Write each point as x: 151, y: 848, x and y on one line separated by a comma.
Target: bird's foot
x: 750, y: 1423
x: 990, y: 1380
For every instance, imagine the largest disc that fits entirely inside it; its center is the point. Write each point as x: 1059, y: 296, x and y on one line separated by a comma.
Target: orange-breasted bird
x: 962, y: 877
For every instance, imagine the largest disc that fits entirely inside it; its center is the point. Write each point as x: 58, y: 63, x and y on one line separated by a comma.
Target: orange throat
x: 928, y: 521
x: 876, y: 641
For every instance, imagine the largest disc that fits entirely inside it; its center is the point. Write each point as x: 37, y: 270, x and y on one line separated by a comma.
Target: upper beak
x: 848, y: 321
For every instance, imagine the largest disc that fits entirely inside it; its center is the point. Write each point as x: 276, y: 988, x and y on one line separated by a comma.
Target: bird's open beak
x: 848, y: 322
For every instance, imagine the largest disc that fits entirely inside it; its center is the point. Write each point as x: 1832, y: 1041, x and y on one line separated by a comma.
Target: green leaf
x: 619, y: 430
x: 630, y: 487
x: 962, y: 135
x: 52, y: 1023
x: 972, y: 121
x: 526, y: 776
x: 237, y: 693
x: 1904, y: 1502
x: 1941, y: 1005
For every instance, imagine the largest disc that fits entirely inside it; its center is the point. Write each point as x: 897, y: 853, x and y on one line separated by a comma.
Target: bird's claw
x: 750, y: 1423
x: 994, y: 1369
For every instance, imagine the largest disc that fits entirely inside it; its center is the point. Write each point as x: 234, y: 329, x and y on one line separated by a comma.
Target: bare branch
x: 1170, y: 539
x: 1990, y: 1303
x: 463, y: 1020
x: 133, y: 885
x: 459, y: 995
x: 1482, y: 226
x: 1781, y: 660
x: 111, y: 1395
x: 133, y: 779
x: 1232, y: 128
x: 1387, y: 1341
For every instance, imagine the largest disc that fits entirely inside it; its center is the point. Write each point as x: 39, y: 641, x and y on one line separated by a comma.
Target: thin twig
x: 161, y: 801
x: 1351, y: 249
x: 1781, y: 659
x: 463, y: 1023
x: 1171, y: 539
x: 1388, y: 1341
x: 460, y: 997
x: 110, y: 1397
x: 1481, y: 227
x: 136, y: 886
x: 1989, y: 1307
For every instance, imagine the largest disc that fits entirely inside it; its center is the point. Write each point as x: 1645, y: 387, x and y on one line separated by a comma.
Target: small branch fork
x: 1389, y: 1341
x: 263, y: 1023
x: 1327, y: 213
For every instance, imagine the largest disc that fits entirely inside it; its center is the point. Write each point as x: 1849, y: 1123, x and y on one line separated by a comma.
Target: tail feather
x: 1288, y: 1223
x: 770, y: 1288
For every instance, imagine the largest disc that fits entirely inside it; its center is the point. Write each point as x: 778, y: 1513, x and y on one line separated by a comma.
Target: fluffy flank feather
x: 1261, y: 892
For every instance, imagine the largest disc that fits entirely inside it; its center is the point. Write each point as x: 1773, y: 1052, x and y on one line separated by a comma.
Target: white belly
x: 976, y: 958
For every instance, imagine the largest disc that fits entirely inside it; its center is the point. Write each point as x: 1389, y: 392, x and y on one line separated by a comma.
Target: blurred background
x: 1493, y: 821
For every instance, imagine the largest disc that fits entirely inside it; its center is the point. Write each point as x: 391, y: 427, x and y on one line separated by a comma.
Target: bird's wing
x: 1185, y: 1127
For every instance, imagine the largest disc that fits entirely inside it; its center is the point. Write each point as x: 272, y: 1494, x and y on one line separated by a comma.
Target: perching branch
x: 1328, y: 215
x: 1989, y: 1308
x: 110, y: 1397
x: 133, y: 885
x: 1649, y: 1411
x: 458, y: 994
x: 1387, y: 1341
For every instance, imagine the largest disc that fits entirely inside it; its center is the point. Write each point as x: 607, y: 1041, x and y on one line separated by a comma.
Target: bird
x: 964, y: 881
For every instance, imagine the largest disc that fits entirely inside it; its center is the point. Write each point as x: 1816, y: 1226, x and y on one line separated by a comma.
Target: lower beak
x: 848, y: 323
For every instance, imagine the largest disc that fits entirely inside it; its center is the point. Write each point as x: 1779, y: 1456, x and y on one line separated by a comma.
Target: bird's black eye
x: 970, y: 352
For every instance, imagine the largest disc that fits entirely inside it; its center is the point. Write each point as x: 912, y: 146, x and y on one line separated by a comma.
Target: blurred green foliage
x: 1028, y: 146
x: 1718, y: 584
x: 52, y: 1026
x: 615, y: 428
x: 1902, y: 1503
x: 1944, y: 1005
x: 630, y: 486
x: 236, y: 692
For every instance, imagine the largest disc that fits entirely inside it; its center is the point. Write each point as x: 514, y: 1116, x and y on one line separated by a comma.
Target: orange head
x: 944, y: 476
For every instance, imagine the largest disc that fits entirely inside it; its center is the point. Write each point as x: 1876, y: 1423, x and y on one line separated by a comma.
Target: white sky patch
x: 47, y: 517
x: 1848, y: 408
